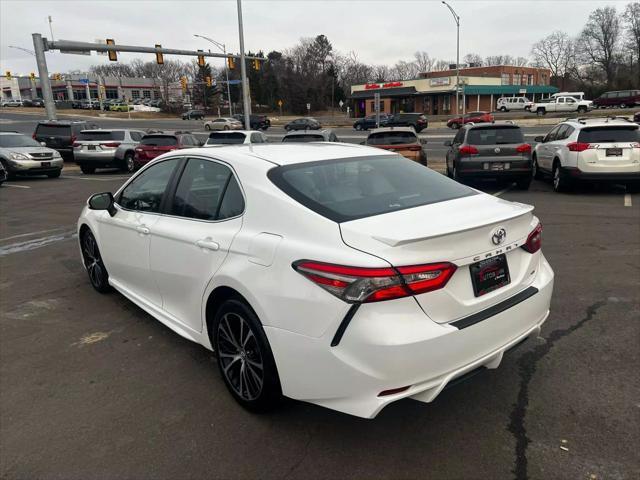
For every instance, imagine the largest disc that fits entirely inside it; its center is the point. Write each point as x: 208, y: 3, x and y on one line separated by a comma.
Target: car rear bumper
x: 391, y: 345
x: 483, y: 167
x: 576, y: 174
x: 95, y: 158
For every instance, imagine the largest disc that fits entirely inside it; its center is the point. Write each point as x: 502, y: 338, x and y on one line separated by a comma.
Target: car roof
x: 226, y: 132
x: 600, y: 122
x: 501, y: 124
x: 61, y: 122
x: 393, y: 129
x: 324, y: 131
x: 11, y: 133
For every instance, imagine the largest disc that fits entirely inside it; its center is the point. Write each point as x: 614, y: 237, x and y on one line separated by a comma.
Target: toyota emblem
x: 498, y: 235
x: 497, y: 149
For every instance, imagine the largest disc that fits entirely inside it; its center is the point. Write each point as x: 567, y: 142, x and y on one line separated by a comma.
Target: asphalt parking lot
x: 93, y: 387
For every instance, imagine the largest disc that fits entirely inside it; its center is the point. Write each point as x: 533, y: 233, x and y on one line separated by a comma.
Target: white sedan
x: 223, y: 123
x: 341, y: 275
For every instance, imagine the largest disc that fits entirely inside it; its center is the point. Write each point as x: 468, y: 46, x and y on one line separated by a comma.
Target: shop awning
x: 508, y: 89
x: 385, y: 92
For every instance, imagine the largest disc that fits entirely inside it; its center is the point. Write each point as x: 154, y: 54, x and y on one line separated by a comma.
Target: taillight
x: 76, y: 144
x: 578, y: 146
x: 73, y: 138
x: 524, y: 148
x: 414, y: 148
x: 635, y: 145
x: 534, y: 240
x: 34, y: 135
x: 468, y: 150
x: 358, y: 285
x: 111, y: 144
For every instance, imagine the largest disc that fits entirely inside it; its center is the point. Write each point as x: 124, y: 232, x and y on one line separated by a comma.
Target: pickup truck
x: 561, y: 104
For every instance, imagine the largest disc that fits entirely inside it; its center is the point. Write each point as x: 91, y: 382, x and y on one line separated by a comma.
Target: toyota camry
x: 341, y: 275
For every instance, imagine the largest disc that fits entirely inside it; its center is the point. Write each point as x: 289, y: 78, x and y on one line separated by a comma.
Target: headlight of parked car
x: 56, y: 154
x: 18, y: 156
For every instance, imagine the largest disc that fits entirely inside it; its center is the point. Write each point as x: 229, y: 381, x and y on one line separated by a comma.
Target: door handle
x: 208, y: 244
x: 142, y: 229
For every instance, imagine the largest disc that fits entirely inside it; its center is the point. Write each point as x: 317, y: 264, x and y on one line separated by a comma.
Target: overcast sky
x: 379, y: 31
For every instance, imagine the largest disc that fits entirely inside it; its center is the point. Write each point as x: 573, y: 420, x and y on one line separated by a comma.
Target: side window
x: 233, y: 202
x: 551, y: 136
x: 145, y: 192
x: 568, y: 132
x: 135, y: 136
x: 562, y: 132
x: 256, y: 138
x: 571, y: 100
x: 561, y: 100
x: 459, y: 137
x: 200, y: 189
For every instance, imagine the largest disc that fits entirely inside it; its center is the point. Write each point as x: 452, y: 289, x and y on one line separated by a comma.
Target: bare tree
x: 424, y: 63
x: 473, y: 58
x: 440, y: 65
x: 521, y: 61
x: 499, y: 60
x: 405, y: 70
x: 631, y: 18
x: 599, y: 40
x: 382, y: 73
x: 557, y: 53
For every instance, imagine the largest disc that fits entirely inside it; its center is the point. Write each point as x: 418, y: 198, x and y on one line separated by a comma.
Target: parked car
x: 258, y: 122
x: 505, y: 104
x: 490, y: 150
x: 306, y: 136
x: 235, y: 137
x: 158, y: 143
x: 60, y: 134
x: 106, y: 148
x: 593, y: 149
x: 351, y: 281
x: 620, y: 98
x: 636, y: 117
x: 11, y: 103
x: 402, y: 140
x: 475, y: 117
x: 37, y: 102
x: 561, y: 104
x: 120, y: 107
x: 21, y: 155
x: 3, y: 174
x: 576, y: 95
x: 306, y: 123
x: 193, y: 115
x: 155, y: 103
x: 369, y: 121
x: 416, y: 120
x: 223, y: 123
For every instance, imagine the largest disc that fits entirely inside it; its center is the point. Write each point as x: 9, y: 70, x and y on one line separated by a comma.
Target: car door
x: 545, y: 161
x: 455, y: 144
x: 190, y: 242
x: 124, y: 238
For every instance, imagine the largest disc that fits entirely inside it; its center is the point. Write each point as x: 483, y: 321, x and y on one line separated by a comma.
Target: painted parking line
x: 627, y: 200
x: 39, y: 232
x: 15, y: 186
x: 504, y: 190
x: 36, y: 243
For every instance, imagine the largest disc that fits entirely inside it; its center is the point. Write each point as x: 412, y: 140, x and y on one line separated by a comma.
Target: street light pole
x: 222, y: 47
x: 43, y: 73
x: 456, y: 17
x: 243, y: 72
x: 30, y: 52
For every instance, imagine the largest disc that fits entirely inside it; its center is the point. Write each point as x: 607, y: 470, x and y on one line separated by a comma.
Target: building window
x: 146, y: 93
x: 543, y: 79
x: 517, y: 79
x: 505, y: 79
x: 111, y: 93
x: 135, y: 94
x: 446, y: 103
x: 530, y: 79
x: 79, y: 94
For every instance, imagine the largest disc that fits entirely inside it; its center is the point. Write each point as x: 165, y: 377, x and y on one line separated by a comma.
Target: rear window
x: 391, y: 138
x: 98, y: 135
x: 227, y: 138
x: 353, y: 188
x: 54, y: 130
x: 159, y: 141
x: 494, y: 136
x: 609, y: 134
x: 303, y: 138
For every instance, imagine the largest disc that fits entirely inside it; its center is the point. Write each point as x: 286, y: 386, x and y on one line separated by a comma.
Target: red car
x: 475, y: 117
x: 156, y: 144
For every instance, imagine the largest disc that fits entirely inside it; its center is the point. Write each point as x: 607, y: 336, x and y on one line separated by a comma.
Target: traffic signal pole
x: 45, y: 83
x: 243, y: 72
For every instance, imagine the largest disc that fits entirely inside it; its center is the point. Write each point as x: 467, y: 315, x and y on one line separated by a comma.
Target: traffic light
x: 183, y: 82
x: 231, y: 63
x: 159, y: 57
x: 8, y: 75
x: 57, y: 76
x: 256, y: 64
x: 200, y: 60
x: 208, y: 81
x: 32, y: 75
x: 113, y: 56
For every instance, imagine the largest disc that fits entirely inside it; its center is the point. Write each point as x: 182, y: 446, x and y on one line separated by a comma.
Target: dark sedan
x: 370, y: 121
x: 306, y: 123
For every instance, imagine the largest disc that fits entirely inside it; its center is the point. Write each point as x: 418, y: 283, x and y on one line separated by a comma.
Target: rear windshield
x: 227, y: 138
x: 17, y: 141
x: 494, y: 136
x: 159, y: 141
x: 609, y: 134
x: 98, y: 135
x: 391, y: 138
x: 54, y: 130
x: 303, y: 138
x: 353, y: 188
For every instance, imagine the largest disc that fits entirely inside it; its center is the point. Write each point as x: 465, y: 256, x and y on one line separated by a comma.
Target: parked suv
x: 325, y: 135
x: 193, y: 115
x: 258, y: 122
x: 60, y: 134
x: 475, y: 117
x: 156, y: 144
x: 416, y: 120
x: 402, y: 140
x: 594, y: 149
x: 505, y: 104
x: 490, y: 150
x: 106, y: 149
x: 370, y: 121
x: 21, y: 155
x: 621, y: 98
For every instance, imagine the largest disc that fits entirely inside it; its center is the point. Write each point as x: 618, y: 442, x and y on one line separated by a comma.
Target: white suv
x: 505, y: 104
x: 594, y: 149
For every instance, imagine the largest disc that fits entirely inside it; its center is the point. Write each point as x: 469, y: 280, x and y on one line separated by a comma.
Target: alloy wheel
x: 131, y: 166
x: 93, y: 262
x: 240, y: 356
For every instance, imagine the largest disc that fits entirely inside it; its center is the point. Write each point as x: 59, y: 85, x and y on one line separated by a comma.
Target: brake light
x: 73, y: 138
x: 578, y: 146
x: 635, y: 145
x: 414, y: 148
x: 524, y: 148
x: 76, y: 144
x: 34, y: 135
x: 111, y: 144
x: 468, y: 150
x: 534, y: 240
x: 359, y: 285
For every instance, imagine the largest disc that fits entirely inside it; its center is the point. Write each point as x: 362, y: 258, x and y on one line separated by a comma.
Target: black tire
x: 244, y: 357
x: 503, y: 109
x: 523, y: 183
x: 541, y: 111
x: 86, y: 169
x: 54, y: 174
x: 98, y: 275
x: 448, y: 170
x: 358, y: 127
x: 560, y: 182
x: 455, y: 125
x: 129, y: 164
x: 287, y: 128
x: 226, y: 127
x: 535, y: 169
x: 623, y: 105
x: 582, y: 109
x: 207, y: 126
x: 455, y: 175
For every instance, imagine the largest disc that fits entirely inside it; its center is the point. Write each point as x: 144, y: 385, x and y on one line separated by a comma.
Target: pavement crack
x: 527, y: 365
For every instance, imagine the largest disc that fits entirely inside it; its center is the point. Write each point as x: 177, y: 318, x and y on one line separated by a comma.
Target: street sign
x: 234, y: 82
x: 103, y: 42
x: 308, y: 106
x: 341, y: 103
x: 75, y: 52
x: 84, y: 80
x: 376, y: 104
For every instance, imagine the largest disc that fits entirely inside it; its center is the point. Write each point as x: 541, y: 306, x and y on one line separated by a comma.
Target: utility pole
x: 222, y: 47
x: 456, y: 17
x: 243, y: 72
x: 45, y: 83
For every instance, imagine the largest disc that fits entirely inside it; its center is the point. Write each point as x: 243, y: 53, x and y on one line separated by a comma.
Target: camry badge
x: 497, y: 149
x: 498, y: 236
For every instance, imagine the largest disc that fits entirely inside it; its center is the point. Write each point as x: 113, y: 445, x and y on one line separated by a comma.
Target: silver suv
x: 106, y: 148
x: 22, y: 155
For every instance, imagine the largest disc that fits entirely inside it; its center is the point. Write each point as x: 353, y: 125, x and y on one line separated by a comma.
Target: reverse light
x: 524, y: 148
x: 361, y: 285
x: 578, y: 146
x: 468, y: 150
x: 534, y: 240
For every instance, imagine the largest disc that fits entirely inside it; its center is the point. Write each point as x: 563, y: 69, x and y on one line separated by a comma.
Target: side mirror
x: 44, y: 144
x: 363, y: 143
x: 539, y: 139
x: 448, y: 143
x: 103, y: 201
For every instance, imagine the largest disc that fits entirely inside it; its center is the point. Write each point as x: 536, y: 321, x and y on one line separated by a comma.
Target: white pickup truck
x: 561, y: 104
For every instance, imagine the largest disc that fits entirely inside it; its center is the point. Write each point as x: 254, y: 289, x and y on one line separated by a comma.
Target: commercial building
x: 434, y: 93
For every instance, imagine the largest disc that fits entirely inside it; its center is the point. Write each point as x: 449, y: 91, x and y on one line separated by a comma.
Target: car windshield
x: 8, y: 141
x: 53, y: 130
x: 97, y: 135
x: 159, y: 141
x: 391, y: 138
x: 620, y: 133
x: 226, y: 138
x: 309, y: 137
x: 494, y: 136
x: 353, y: 188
